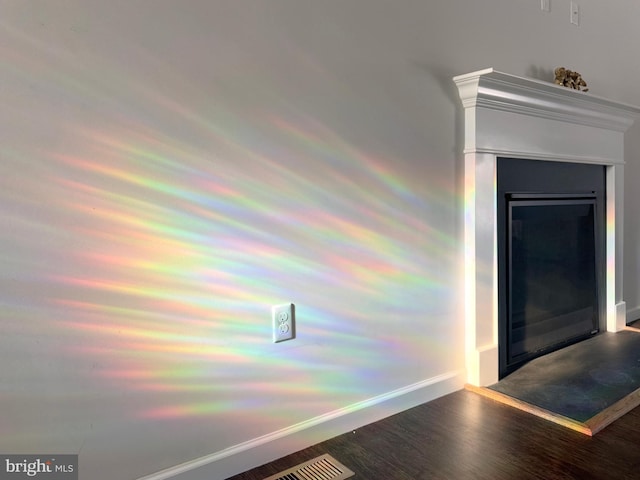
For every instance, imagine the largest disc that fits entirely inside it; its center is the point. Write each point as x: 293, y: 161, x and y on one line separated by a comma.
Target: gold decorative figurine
x: 570, y: 79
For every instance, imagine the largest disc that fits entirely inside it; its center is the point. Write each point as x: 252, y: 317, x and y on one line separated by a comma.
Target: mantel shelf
x: 502, y: 91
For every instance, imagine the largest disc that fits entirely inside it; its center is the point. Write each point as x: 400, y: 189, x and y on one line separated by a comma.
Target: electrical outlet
x: 283, y: 317
x: 545, y: 5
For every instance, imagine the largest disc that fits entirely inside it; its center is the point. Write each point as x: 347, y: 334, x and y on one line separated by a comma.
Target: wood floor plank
x: 466, y: 436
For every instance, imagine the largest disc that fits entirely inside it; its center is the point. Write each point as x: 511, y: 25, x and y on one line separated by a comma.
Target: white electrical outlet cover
x: 283, y: 322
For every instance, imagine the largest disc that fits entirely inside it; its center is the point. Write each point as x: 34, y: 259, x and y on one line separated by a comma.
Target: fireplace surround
x: 511, y: 117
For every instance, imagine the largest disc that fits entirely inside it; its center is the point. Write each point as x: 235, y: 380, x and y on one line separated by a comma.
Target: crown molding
x: 496, y: 90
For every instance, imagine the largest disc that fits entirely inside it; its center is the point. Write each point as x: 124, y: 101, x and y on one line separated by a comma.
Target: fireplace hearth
x: 510, y: 119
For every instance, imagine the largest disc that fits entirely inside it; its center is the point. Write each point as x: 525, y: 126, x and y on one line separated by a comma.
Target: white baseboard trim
x: 633, y: 314
x: 261, y: 450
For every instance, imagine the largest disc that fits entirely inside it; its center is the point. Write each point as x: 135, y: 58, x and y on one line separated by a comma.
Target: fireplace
x: 550, y: 234
x: 508, y: 120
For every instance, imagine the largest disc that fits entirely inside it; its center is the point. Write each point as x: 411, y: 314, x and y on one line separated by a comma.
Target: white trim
x: 550, y: 157
x: 261, y: 450
x: 633, y: 314
x: 621, y: 316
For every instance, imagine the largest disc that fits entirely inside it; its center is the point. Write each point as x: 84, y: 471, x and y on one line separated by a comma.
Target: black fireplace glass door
x: 552, y: 286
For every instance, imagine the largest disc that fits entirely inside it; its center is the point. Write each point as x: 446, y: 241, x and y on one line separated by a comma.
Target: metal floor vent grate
x: 324, y: 467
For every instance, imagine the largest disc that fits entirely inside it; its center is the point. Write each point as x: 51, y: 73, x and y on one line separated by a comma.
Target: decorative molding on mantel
x: 554, y: 157
x: 514, y: 117
x: 501, y: 91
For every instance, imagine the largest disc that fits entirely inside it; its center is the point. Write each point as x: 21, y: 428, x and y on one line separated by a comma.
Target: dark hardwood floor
x: 466, y: 436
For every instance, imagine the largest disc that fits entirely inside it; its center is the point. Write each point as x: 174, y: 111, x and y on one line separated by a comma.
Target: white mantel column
x: 481, y: 298
x: 616, y: 306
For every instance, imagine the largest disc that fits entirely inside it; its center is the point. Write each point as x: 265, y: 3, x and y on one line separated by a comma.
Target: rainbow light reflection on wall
x: 150, y: 239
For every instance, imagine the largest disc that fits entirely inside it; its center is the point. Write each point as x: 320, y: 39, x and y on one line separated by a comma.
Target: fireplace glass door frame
x: 552, y: 273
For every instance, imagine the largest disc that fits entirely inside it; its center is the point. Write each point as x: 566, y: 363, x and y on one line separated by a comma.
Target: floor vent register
x: 324, y: 467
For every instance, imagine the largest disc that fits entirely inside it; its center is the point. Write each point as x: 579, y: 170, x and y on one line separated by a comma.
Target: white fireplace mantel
x: 514, y: 117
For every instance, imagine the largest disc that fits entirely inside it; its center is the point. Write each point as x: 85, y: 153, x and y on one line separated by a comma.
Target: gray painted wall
x: 170, y: 170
